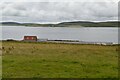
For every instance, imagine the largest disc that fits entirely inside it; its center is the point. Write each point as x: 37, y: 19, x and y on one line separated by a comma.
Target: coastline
x: 65, y: 42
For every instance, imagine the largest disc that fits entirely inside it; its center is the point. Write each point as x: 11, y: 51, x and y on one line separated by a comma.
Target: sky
x: 54, y: 11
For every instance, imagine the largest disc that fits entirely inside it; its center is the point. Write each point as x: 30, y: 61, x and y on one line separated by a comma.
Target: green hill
x: 89, y: 24
x: 66, y: 24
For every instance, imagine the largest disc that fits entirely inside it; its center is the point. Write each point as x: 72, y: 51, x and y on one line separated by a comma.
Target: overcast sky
x: 53, y: 11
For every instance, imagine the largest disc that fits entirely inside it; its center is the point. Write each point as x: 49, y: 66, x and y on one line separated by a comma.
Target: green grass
x: 50, y: 60
x: 0, y: 60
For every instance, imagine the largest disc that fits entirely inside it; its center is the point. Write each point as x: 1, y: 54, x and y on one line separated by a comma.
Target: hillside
x: 66, y: 24
x: 88, y: 24
x: 22, y: 24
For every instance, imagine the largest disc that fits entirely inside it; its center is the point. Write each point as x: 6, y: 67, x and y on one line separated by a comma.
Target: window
x: 27, y: 38
x: 32, y: 37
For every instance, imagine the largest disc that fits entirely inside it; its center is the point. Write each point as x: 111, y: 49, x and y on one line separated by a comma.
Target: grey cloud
x: 59, y: 11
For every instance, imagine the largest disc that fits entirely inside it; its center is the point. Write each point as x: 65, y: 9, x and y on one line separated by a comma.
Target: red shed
x: 30, y: 38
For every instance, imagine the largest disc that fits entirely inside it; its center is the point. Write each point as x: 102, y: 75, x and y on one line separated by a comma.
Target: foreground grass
x: 49, y: 60
x: 0, y: 60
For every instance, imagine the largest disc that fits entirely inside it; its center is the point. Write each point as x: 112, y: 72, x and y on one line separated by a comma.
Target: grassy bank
x: 49, y: 60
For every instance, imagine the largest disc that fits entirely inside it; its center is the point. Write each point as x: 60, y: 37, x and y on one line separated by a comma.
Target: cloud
x: 59, y: 1
x: 58, y: 11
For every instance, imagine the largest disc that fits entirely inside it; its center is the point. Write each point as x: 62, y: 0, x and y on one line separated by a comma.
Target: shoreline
x: 66, y: 42
x: 64, y: 26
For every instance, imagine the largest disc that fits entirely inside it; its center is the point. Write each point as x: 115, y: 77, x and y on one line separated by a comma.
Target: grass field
x: 50, y: 60
x: 0, y: 60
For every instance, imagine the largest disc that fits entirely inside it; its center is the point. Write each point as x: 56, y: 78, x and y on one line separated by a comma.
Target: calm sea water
x: 91, y: 34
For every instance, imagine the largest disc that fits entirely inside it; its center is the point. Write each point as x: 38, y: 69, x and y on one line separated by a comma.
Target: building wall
x: 30, y: 38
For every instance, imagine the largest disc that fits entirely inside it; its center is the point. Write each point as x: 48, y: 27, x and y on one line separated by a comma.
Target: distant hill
x: 66, y: 24
x: 11, y: 23
x: 89, y: 24
x: 25, y: 24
